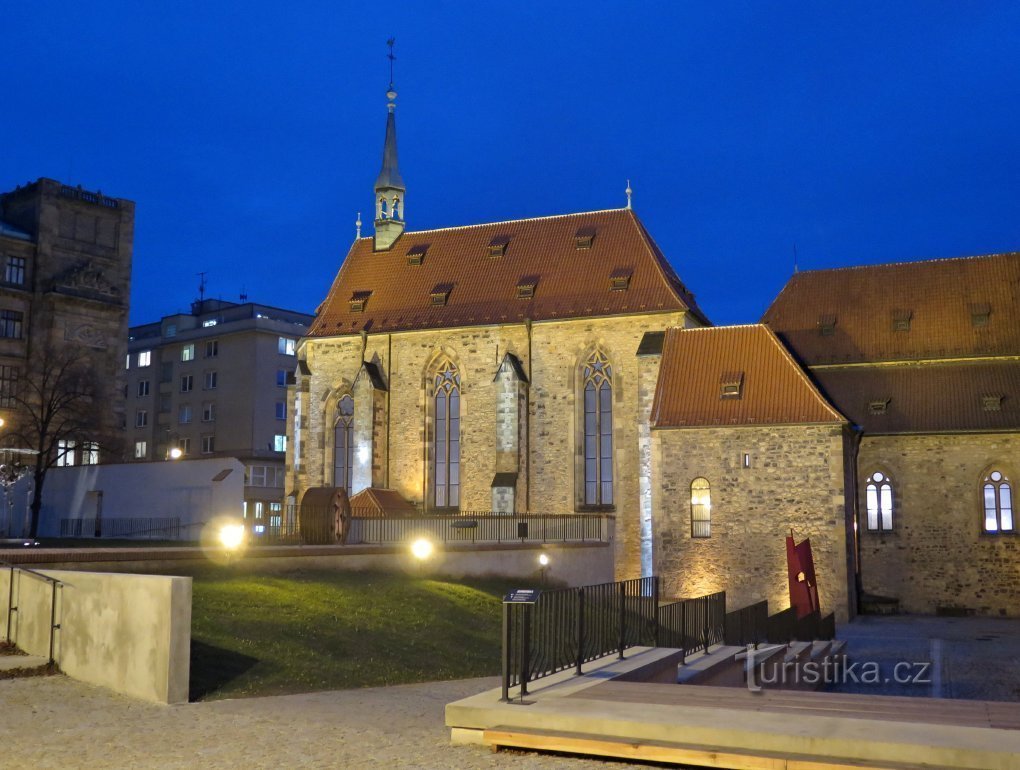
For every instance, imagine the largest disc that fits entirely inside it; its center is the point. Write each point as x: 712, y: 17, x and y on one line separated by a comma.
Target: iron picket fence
x: 748, y: 625
x: 161, y: 528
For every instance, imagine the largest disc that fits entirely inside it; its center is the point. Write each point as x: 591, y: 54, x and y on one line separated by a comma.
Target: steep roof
x: 698, y: 365
x: 475, y: 272
x: 376, y: 501
x: 953, y: 307
x: 930, y: 398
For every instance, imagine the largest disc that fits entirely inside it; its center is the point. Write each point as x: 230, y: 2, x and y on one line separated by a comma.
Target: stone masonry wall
x: 795, y: 480
x: 937, y: 555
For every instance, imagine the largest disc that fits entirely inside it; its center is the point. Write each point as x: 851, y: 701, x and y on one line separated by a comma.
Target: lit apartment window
x: 65, y: 453
x: 209, y: 322
x: 127, y: 361
x: 141, y: 418
x: 143, y: 388
x: 15, y: 271
x: 998, y: 501
x: 212, y: 348
x: 287, y: 346
x: 210, y: 380
x: 90, y: 453
x: 208, y: 445
x: 141, y: 449
x: 184, y: 414
x: 144, y: 358
x: 188, y: 352
x: 279, y: 443
x: 281, y: 410
x: 187, y: 383
x: 208, y: 412
x: 11, y: 322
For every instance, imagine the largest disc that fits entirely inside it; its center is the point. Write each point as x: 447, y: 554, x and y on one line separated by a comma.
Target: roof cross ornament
x: 392, y: 58
x: 629, y: 193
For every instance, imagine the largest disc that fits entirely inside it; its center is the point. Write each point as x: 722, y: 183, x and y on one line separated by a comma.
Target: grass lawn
x: 259, y: 634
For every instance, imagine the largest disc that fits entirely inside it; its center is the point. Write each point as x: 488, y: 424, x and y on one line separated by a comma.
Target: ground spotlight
x: 422, y: 548
x: 232, y: 536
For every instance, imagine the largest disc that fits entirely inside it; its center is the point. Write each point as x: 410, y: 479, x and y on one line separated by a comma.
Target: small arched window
x: 879, y: 499
x: 701, y: 508
x: 343, y: 445
x: 446, y: 436
x: 997, y: 495
x: 598, y: 430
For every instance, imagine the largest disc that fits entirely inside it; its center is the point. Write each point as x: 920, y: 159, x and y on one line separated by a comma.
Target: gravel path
x: 56, y: 722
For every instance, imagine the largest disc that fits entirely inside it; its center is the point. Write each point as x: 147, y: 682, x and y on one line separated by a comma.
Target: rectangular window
x: 164, y: 404
x: 187, y: 383
x: 210, y: 380
x: 144, y: 358
x: 141, y: 418
x: 281, y: 410
x: 8, y: 386
x: 166, y: 371
x: 65, y: 453
x: 15, y: 271
x: 208, y: 412
x: 90, y: 453
x: 281, y: 378
x: 209, y: 322
x: 286, y: 346
x: 184, y: 414
x: 279, y: 443
x: 185, y: 446
x: 212, y: 348
x: 208, y: 445
x: 188, y: 352
x: 143, y: 388
x: 141, y: 450
x: 257, y: 477
x: 11, y: 322
x: 127, y: 361
x: 171, y: 330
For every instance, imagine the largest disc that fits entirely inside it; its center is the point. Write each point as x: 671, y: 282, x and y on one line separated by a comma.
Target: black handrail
x: 11, y: 609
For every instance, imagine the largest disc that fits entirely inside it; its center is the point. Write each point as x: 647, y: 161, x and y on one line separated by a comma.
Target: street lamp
x: 543, y: 563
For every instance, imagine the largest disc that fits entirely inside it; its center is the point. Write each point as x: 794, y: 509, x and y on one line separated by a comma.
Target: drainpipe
x: 527, y: 427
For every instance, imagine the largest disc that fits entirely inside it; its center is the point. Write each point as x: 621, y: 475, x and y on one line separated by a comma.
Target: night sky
x: 250, y: 134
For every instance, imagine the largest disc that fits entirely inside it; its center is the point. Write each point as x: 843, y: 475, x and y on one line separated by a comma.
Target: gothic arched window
x: 446, y: 436
x: 701, y: 508
x: 998, y: 503
x: 598, y: 430
x: 878, y: 495
x: 343, y: 445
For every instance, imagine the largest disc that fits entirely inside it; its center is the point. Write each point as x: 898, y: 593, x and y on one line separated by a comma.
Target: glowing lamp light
x: 543, y: 559
x: 176, y: 453
x: 232, y: 536
x: 421, y: 548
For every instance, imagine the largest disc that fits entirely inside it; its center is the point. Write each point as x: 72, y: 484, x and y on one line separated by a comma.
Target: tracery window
x: 997, y: 495
x: 878, y: 493
x: 446, y: 436
x: 701, y: 508
x: 343, y: 445
x: 598, y: 430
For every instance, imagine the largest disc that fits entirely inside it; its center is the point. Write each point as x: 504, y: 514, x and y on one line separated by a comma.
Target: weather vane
x: 391, y: 57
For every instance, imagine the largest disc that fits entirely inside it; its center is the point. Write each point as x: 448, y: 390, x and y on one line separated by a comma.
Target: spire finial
x: 391, y: 94
x: 357, y: 226
x: 629, y: 193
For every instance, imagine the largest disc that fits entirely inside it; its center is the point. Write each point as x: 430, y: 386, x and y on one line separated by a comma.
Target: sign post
x: 524, y: 599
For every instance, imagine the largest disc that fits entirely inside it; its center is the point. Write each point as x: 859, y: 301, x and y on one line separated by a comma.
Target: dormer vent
x: 878, y: 406
x: 619, y: 280
x: 731, y: 385
x: 526, y: 286
x: 584, y: 237
x: 498, y: 245
x: 827, y: 324
x: 416, y: 254
x: 992, y: 402
x: 901, y: 320
x: 358, y: 301
x: 979, y: 313
x: 440, y: 294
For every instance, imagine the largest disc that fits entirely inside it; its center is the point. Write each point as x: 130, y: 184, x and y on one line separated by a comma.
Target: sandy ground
x: 56, y: 722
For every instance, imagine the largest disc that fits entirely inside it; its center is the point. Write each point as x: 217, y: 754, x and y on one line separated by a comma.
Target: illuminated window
x: 209, y: 322
x: 280, y: 443
x: 141, y: 449
x: 144, y: 358
x: 878, y: 494
x: 188, y: 352
x: 446, y: 436
x: 597, y: 375
x: 65, y: 453
x: 90, y: 453
x: 998, y: 503
x: 286, y: 346
x: 701, y: 508
x: 343, y: 445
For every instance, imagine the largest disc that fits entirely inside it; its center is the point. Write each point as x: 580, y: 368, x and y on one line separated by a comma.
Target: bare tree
x: 57, y: 408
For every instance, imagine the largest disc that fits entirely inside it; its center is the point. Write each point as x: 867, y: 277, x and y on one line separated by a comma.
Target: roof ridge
x: 711, y: 328
x: 928, y: 261
x: 501, y: 222
x: 802, y: 374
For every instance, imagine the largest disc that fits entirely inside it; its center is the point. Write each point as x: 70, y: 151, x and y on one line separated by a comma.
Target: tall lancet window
x: 598, y: 430
x: 343, y: 445
x: 446, y: 439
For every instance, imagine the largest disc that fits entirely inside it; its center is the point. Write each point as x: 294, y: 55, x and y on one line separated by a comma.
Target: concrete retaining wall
x: 131, y: 633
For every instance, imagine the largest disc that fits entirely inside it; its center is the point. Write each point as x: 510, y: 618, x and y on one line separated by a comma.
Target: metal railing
x: 480, y: 527
x: 748, y: 625
x: 569, y: 627
x: 163, y: 528
x: 12, y: 607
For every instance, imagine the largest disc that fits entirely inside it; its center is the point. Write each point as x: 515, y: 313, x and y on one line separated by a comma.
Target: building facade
x: 65, y: 281
x: 213, y: 383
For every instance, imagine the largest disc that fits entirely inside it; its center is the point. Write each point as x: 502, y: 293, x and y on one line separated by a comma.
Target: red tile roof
x: 930, y: 398
x: 697, y: 363
x: 376, y: 501
x: 936, y: 299
x: 571, y: 282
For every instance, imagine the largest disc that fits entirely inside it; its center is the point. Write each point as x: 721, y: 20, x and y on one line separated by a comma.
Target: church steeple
x: 389, y: 185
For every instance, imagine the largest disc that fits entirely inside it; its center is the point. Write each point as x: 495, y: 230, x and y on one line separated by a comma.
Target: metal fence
x: 481, y: 527
x: 748, y: 625
x: 569, y: 627
x: 753, y: 625
x: 159, y: 528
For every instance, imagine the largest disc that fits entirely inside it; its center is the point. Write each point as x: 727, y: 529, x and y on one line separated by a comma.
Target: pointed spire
x: 357, y: 226
x: 389, y: 185
x: 629, y: 193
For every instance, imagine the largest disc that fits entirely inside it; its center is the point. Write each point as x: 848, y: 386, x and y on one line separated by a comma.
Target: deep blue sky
x: 249, y: 134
